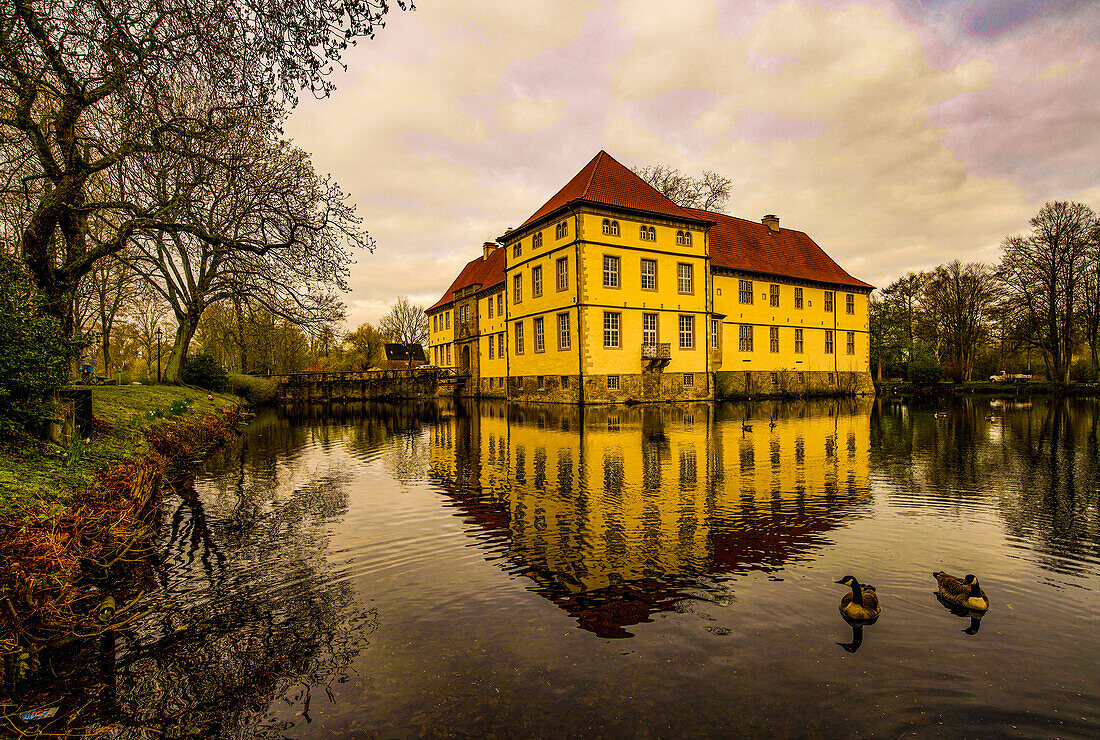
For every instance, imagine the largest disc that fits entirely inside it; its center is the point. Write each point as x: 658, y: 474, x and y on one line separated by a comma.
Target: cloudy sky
x: 898, y: 133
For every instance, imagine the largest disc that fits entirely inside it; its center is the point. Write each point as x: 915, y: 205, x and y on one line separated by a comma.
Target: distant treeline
x: 1037, y: 311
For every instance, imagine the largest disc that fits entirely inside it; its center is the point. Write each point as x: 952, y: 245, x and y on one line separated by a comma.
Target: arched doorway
x: 466, y: 360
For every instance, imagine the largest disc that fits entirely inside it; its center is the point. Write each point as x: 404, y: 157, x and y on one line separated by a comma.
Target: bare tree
x: 960, y: 297
x: 109, y: 286
x: 258, y: 226
x: 88, y: 90
x: 903, y: 302
x: 1043, y: 274
x: 1091, y: 304
x: 709, y: 192
x: 406, y: 323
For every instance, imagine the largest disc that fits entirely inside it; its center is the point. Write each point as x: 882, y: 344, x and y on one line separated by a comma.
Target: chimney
x: 772, y: 222
x: 489, y: 248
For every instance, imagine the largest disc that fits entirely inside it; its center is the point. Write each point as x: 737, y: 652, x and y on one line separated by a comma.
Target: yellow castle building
x: 610, y: 292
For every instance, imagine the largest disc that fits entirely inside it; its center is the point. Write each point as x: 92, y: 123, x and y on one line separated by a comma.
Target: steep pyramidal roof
x: 604, y: 180
x: 738, y: 244
x: 479, y: 271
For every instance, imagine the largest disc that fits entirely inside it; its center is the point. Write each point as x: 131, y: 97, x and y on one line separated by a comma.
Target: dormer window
x: 648, y: 234
x: 610, y: 228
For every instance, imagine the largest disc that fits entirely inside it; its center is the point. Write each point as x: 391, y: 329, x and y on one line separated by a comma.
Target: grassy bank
x: 976, y: 387
x: 33, y: 473
x: 74, y: 520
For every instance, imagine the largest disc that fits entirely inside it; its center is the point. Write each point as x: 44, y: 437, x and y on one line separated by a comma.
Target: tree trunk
x: 173, y: 372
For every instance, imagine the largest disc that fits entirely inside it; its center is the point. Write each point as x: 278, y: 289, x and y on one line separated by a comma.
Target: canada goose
x: 862, y: 603
x: 745, y: 427
x: 771, y: 424
x: 963, y: 592
x: 941, y: 414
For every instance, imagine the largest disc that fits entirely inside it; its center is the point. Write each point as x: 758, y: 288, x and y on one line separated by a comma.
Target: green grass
x: 34, y: 473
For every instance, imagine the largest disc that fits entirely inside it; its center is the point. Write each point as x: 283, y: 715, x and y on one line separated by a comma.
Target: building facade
x: 610, y: 293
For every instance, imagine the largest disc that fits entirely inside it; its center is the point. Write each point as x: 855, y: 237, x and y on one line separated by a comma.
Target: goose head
x: 849, y: 581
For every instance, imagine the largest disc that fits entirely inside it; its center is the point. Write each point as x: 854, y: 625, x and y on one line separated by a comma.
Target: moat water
x: 632, y: 572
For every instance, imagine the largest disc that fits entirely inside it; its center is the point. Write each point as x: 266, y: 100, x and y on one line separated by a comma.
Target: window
x: 517, y: 288
x: 564, y: 340
x: 849, y: 304
x: 536, y: 240
x: 683, y: 277
x: 500, y: 304
x: 798, y: 341
x: 565, y: 381
x: 536, y: 281
x: 715, y: 333
x: 689, y: 380
x: 648, y: 234
x: 606, y: 226
x: 649, y: 274
x: 519, y: 338
x: 492, y: 346
x: 435, y: 322
x: 798, y: 297
x: 612, y: 382
x: 775, y: 378
x: 464, y: 312
x: 561, y: 230
x: 828, y: 341
x: 491, y: 306
x: 683, y: 238
x: 828, y: 301
x: 851, y: 342
x: 744, y: 291
x: 649, y: 329
x: 800, y: 377
x: 517, y: 249
x: 610, y: 228
x: 744, y: 338
x: 611, y: 329
x: 774, y: 296
x: 563, y: 273
x: 829, y: 378
x: 448, y: 354
x: 500, y: 344
x: 687, y: 332
x: 610, y: 271
x: 541, y: 381
x: 540, y: 338
x: 448, y: 317
x: 773, y: 338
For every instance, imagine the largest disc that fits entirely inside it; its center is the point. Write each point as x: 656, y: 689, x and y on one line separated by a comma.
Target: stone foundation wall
x: 742, y: 384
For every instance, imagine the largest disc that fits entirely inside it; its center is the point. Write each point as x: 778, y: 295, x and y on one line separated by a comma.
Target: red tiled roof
x: 606, y: 181
x: 739, y: 244
x: 480, y: 271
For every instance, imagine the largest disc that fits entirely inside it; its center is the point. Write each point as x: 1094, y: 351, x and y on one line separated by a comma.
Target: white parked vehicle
x: 1002, y: 377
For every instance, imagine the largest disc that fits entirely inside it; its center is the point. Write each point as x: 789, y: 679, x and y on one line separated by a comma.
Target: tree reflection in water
x: 256, y: 619
x: 1039, y: 455
x: 653, y: 507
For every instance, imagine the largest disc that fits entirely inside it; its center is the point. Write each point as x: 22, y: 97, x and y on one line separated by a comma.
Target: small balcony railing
x: 662, y: 351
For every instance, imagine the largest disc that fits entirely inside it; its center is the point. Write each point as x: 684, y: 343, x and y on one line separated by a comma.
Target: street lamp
x: 159, y: 333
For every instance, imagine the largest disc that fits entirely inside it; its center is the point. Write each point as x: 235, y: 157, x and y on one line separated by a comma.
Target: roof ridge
x: 592, y: 175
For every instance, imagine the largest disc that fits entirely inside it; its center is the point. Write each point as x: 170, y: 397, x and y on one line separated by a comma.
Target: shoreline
x: 75, y: 521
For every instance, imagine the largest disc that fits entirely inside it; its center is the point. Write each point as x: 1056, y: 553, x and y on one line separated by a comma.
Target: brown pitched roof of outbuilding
x: 739, y: 244
x: 604, y: 180
x: 479, y: 271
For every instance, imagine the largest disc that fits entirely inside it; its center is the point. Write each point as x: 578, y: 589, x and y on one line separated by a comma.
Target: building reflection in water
x: 617, y: 513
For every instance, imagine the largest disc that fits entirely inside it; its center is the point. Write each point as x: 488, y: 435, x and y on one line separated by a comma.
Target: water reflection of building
x: 614, y: 512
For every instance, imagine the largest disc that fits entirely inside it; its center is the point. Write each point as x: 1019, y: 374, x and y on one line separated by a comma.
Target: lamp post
x: 159, y: 333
